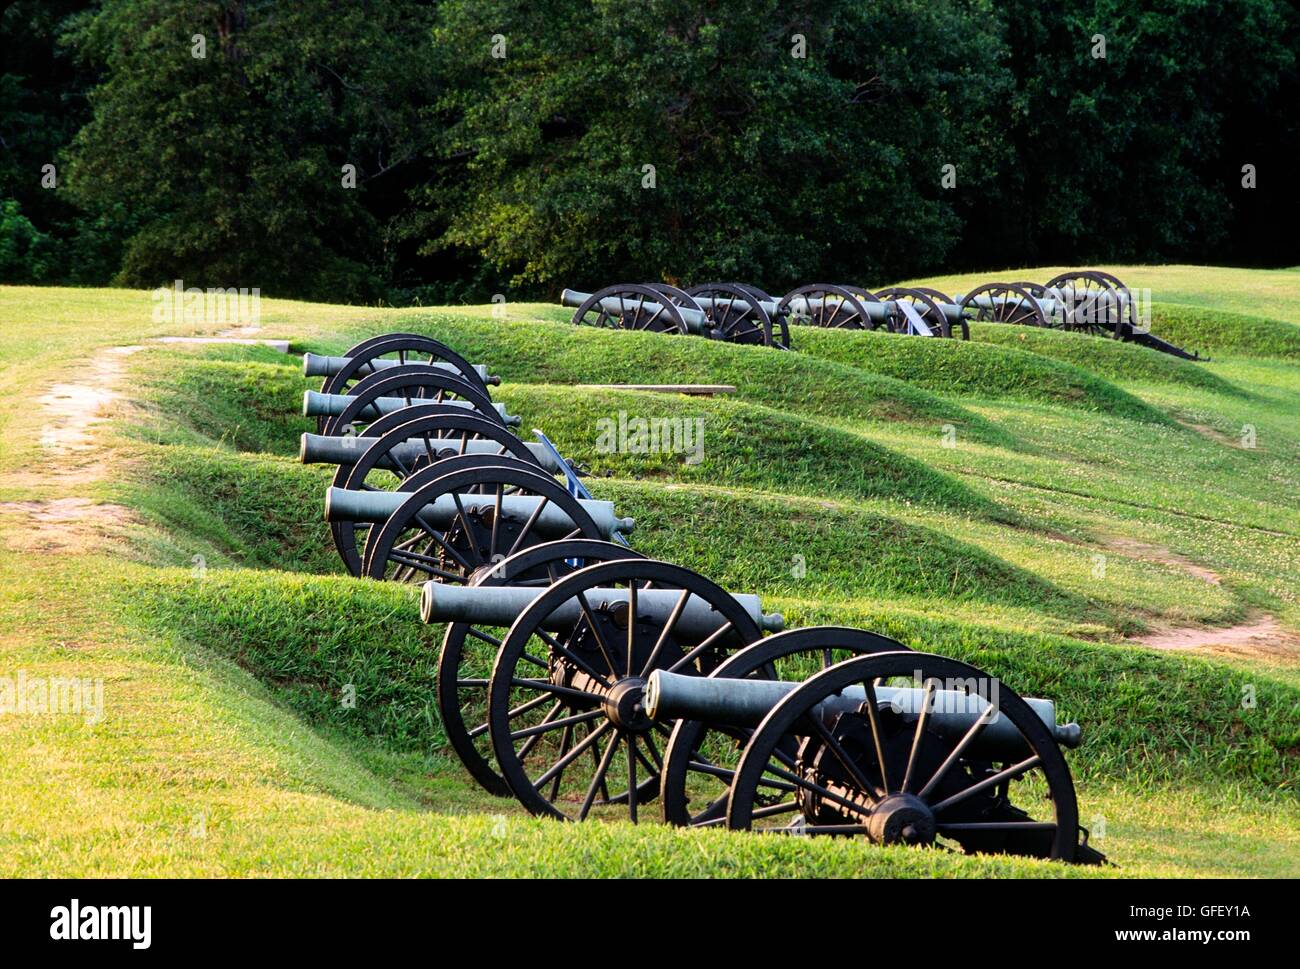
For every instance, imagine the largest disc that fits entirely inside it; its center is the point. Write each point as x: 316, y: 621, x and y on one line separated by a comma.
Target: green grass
x: 1112, y: 359
x: 252, y: 406
x: 268, y: 716
x: 1160, y: 718
x: 974, y: 370
x: 733, y: 444
x: 1223, y: 331
x: 792, y: 383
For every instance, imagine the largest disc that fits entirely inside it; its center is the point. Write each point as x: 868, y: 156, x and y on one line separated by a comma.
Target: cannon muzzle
x: 344, y: 505
x: 346, y: 449
x: 319, y: 365
x: 501, y: 605
x: 744, y: 703
x: 316, y: 404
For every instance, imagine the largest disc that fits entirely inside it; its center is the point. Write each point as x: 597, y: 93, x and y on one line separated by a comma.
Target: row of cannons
x: 589, y: 681
x: 1087, y: 301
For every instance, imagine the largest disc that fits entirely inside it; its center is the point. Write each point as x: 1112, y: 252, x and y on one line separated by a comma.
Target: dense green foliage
x: 510, y: 145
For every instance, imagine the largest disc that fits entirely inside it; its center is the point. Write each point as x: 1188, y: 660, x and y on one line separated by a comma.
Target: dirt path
x: 1158, y: 553
x: 71, y: 455
x: 1260, y: 637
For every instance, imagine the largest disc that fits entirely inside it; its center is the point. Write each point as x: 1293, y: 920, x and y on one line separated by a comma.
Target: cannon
x: 391, y: 350
x: 589, y: 681
x: 384, y: 392
x: 846, y: 753
x: 320, y: 365
x: 406, y: 443
x: 725, y: 311
x: 628, y: 680
x: 408, y: 453
x: 469, y: 649
x: 454, y: 516
x: 572, y: 667
x: 1088, y: 301
x: 385, y: 352
x: 333, y: 406
x: 746, y: 311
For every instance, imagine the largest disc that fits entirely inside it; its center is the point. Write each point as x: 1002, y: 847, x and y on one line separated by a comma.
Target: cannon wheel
x: 873, y: 772
x: 403, y: 349
x: 468, y: 651
x: 407, y: 348
x: 408, y: 547
x: 780, y: 317
x: 836, y: 307
x: 576, y: 739
x: 1010, y: 304
x: 1036, y: 290
x: 358, y: 477
x: 1119, y: 286
x: 927, y: 307
x: 699, y: 762
x: 415, y: 384
x: 865, y: 296
x: 1092, y: 304
x: 752, y: 324
x: 633, y: 315
x: 351, y: 544
x: 679, y: 297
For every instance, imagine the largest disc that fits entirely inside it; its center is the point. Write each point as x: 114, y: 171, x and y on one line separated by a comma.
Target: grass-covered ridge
x: 1223, y: 331
x: 734, y: 444
x: 530, y: 352
x: 973, y: 369
x: 250, y: 405
x: 1113, y: 359
x: 253, y: 509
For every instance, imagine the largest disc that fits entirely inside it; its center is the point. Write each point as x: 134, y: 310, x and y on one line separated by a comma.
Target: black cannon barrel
x: 744, y: 703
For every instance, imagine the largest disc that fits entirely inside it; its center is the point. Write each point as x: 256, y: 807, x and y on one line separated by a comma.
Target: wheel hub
x: 625, y: 704
x: 901, y: 819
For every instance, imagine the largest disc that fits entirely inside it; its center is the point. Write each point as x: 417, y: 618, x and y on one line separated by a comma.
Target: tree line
x: 413, y: 152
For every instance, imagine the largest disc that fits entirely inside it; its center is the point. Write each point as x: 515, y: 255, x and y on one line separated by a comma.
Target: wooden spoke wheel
x: 825, y: 305
x: 398, y: 350
x: 565, y: 703
x: 1004, y: 303
x: 1088, y: 303
x: 906, y: 776
x: 700, y: 759
x: 739, y: 314
x: 1129, y: 310
x: 449, y: 525
x: 930, y: 311
x: 470, y: 649
x: 391, y: 460
x: 630, y: 306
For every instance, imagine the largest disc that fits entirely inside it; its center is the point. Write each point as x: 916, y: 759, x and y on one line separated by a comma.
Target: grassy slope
x: 226, y: 749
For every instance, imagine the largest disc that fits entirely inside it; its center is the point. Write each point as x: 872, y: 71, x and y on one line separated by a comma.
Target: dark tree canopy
x: 533, y: 144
